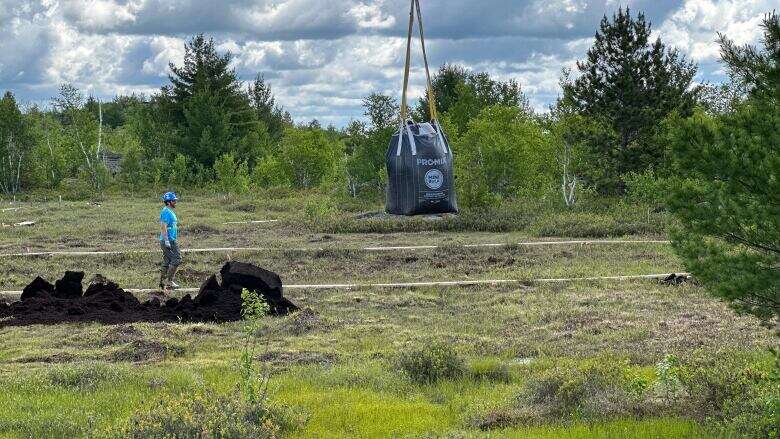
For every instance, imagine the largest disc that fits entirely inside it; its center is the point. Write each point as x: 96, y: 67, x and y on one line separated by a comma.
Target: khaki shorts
x: 171, y: 256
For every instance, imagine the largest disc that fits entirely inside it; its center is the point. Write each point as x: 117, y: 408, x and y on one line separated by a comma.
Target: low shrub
x: 489, y: 369
x: 432, y: 363
x: 598, y: 389
x: 738, y: 394
x: 591, y: 225
x: 243, y: 206
x: 734, y: 394
x: 82, y: 377
x: 646, y: 188
x: 320, y: 212
x: 202, y: 414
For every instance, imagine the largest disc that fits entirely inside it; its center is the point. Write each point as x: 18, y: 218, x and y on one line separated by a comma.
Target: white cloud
x: 322, y: 58
x: 166, y: 50
x: 101, y: 14
x: 371, y: 16
x: 693, y: 28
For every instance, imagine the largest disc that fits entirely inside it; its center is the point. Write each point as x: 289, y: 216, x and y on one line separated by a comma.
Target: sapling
x: 253, y: 309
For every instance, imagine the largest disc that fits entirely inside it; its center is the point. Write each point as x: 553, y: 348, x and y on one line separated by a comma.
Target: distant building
x: 112, y: 160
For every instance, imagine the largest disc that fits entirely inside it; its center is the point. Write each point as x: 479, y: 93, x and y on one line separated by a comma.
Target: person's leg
x: 165, y: 266
x: 175, y: 262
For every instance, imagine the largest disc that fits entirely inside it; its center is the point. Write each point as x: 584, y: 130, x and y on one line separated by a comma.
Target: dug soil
x: 105, y: 302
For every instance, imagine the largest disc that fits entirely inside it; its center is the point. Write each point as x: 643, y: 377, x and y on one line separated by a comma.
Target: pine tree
x: 207, y: 103
x: 728, y: 205
x: 264, y: 103
x: 631, y: 84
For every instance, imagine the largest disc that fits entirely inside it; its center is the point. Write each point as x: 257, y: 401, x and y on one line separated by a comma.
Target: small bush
x: 432, y: 363
x: 76, y: 189
x: 598, y: 389
x: 82, y: 377
x: 738, y: 394
x: 320, y: 213
x: 231, y: 177
x: 646, y: 187
x: 269, y: 173
x: 242, y: 207
x: 491, y: 370
x: 201, y: 414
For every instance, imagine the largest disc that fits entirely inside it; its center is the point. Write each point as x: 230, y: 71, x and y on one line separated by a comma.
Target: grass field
x: 337, y: 368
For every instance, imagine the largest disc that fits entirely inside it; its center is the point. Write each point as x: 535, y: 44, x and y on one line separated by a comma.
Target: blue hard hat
x: 170, y: 196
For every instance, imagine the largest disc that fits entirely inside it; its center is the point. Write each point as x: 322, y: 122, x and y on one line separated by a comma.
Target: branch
x: 753, y: 244
x: 100, y: 130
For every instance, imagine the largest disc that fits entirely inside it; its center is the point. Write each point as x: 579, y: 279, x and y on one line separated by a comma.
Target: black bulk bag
x: 419, y: 171
x: 419, y: 159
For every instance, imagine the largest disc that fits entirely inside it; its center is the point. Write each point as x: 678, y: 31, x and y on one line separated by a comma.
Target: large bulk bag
x: 419, y: 159
x: 420, y: 179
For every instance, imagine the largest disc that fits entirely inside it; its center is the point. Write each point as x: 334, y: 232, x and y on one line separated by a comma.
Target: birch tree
x: 15, y: 144
x: 84, y: 131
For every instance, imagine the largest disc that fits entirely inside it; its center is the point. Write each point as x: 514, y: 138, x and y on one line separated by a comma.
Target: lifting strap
x: 404, y: 108
x: 431, y: 96
x: 415, y: 4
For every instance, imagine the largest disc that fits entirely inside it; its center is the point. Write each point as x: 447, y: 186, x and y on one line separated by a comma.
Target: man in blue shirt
x: 169, y: 232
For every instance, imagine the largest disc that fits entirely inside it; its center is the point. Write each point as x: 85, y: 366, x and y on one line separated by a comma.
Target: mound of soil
x: 104, y: 301
x: 675, y: 279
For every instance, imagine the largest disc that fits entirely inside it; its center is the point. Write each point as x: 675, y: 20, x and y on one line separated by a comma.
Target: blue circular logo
x: 434, y: 179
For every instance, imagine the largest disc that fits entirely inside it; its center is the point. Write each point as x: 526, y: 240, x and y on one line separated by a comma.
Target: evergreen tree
x: 264, y: 103
x: 728, y: 205
x: 207, y: 103
x: 630, y: 84
x: 445, y: 84
x: 152, y: 123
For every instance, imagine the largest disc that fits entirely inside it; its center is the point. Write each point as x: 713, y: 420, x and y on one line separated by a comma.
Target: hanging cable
x: 431, y: 95
x: 404, y: 108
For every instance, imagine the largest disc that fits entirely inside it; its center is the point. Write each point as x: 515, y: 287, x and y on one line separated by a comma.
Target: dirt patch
x: 201, y: 330
x: 104, y: 301
x: 323, y: 238
x: 385, y: 216
x: 145, y: 350
x: 304, y: 322
x: 242, y: 207
x: 59, y: 357
x: 201, y: 229
x: 120, y: 335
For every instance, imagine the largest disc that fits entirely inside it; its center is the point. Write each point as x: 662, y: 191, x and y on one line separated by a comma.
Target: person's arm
x: 164, y: 228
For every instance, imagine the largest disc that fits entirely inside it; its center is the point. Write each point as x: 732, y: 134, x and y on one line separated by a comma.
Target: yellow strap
x: 404, y: 109
x: 431, y: 95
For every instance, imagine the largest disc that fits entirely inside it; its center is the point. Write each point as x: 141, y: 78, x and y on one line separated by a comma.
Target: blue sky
x: 322, y: 57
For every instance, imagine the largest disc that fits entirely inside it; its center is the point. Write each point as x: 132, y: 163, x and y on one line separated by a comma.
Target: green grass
x: 337, y: 364
x: 331, y: 401
x: 131, y: 223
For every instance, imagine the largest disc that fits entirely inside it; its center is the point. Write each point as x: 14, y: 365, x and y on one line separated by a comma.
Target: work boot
x: 171, y: 274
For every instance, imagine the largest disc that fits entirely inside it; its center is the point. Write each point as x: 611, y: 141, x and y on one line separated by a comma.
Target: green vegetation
x: 430, y: 361
x: 581, y: 360
x: 626, y: 87
x: 728, y: 207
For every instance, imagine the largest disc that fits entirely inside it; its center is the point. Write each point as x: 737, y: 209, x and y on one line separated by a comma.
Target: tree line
x: 206, y: 127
